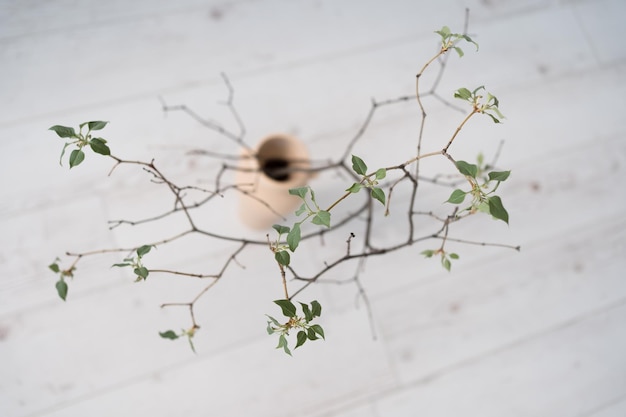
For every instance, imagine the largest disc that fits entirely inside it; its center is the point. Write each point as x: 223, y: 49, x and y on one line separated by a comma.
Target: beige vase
x: 281, y: 163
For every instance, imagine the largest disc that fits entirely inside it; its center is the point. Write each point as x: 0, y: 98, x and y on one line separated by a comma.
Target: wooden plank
x: 567, y: 371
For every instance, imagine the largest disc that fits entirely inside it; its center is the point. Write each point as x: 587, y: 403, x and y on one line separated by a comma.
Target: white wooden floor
x: 536, y: 333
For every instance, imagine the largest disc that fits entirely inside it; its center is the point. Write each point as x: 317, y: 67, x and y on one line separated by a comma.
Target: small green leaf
x: 289, y: 310
x: 169, y: 334
x: 143, y: 250
x: 355, y: 188
x: 282, y: 342
x: 96, y: 125
x: 318, y: 329
x: 316, y: 308
x: 444, y: 32
x: 280, y: 229
x: 381, y: 173
x: 308, y: 314
x: 358, y: 165
x: 54, y: 267
x: 274, y: 321
x: 495, y: 120
x: 300, y: 192
x: 453, y: 256
x: 499, y: 175
x: 282, y: 257
x: 459, y: 51
x: 468, y: 39
x: 302, y: 209
x: 497, y: 210
x: 121, y: 265
x: 466, y: 168
x: 270, y: 329
x: 311, y: 334
x: 379, y: 195
x: 142, y: 272
x: 61, y: 287
x: 446, y: 263
x: 64, y: 131
x: 293, y: 238
x: 463, y: 94
x: 76, y: 157
x: 428, y: 253
x: 301, y: 337
x: 457, y: 197
x: 63, y: 153
x: 322, y: 218
x: 98, y: 146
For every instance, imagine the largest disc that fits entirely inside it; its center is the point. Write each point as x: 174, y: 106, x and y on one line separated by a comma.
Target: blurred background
x: 533, y: 333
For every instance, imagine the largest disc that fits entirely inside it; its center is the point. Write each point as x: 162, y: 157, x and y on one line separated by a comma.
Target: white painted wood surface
x: 535, y: 333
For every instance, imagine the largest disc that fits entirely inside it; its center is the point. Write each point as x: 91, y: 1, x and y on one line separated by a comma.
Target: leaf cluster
x: 189, y: 334
x: 306, y: 330
x: 483, y: 198
x: 489, y: 105
x: 136, y: 263
x: 446, y: 257
x: 61, y: 285
x: 81, y: 140
x: 450, y: 40
x: 369, y: 181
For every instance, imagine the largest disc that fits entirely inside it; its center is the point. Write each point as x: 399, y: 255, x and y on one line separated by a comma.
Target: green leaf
x: 311, y: 334
x: 499, y: 175
x: 318, y: 330
x: 63, y: 153
x: 497, y: 210
x: 76, y: 157
x: 169, y: 334
x: 495, y: 120
x: 61, y: 287
x: 143, y: 250
x: 300, y: 192
x: 457, y: 197
x: 96, y: 125
x: 322, y: 218
x: 98, y: 146
x: 274, y: 321
x: 459, y: 51
x: 379, y: 195
x: 280, y: 229
x: 121, y: 265
x: 289, y: 310
x: 64, y: 131
x: 428, y: 253
x: 293, y: 238
x: 381, y: 173
x: 282, y: 343
x: 301, y: 337
x: 270, y: 329
x: 282, y: 257
x: 316, y: 308
x: 358, y: 165
x: 355, y: 188
x: 444, y: 32
x: 477, y: 89
x: 142, y: 272
x: 463, y: 94
x: 302, y: 209
x: 468, y: 39
x: 446, y: 263
x: 466, y: 168
x: 453, y: 256
x: 54, y: 267
x: 308, y: 314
